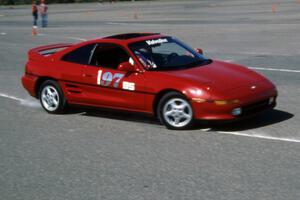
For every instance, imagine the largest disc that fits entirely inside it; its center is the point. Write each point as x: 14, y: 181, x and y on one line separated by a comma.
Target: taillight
x: 27, y: 71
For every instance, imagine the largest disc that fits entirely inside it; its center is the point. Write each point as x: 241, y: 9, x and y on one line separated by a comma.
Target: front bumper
x: 249, y: 105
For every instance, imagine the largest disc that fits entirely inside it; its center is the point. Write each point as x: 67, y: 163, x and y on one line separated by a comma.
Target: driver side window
x: 109, y: 56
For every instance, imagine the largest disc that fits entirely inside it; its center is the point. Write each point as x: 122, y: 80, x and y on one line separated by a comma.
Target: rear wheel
x: 51, y: 97
x: 175, y: 112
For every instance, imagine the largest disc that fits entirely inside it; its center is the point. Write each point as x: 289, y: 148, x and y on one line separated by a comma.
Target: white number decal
x: 107, y: 78
x: 99, y: 77
x: 118, y: 78
x: 128, y: 85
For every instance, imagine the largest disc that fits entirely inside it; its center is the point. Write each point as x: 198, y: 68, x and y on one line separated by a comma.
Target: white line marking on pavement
x: 133, y: 24
x: 266, y: 137
x: 77, y: 38
x: 230, y: 61
x: 117, y: 23
x: 32, y: 103
x: 72, y: 38
x: 10, y: 97
x: 268, y: 69
x: 3, y: 33
x: 205, y: 129
x: 274, y: 69
x: 25, y: 102
x: 256, y: 53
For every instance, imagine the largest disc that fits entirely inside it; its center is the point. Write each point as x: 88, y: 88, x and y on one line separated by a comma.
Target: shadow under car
x: 266, y: 118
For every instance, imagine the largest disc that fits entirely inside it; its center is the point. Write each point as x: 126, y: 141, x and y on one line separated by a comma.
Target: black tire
x: 57, y: 96
x: 167, y: 121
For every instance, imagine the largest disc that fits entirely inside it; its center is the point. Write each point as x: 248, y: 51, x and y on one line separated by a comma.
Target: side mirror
x: 200, y: 51
x: 127, y: 67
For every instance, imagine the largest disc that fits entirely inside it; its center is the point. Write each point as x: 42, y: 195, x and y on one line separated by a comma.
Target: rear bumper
x: 29, y: 83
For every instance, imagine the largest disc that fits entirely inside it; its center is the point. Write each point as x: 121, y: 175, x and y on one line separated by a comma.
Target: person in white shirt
x: 44, y: 13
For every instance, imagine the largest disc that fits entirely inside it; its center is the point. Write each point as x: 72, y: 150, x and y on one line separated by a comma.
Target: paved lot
x: 106, y: 155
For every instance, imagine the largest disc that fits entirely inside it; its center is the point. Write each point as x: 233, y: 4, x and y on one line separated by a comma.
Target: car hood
x: 219, y: 75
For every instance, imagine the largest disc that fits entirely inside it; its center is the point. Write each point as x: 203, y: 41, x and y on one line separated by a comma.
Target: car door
x: 71, y: 66
x: 105, y: 85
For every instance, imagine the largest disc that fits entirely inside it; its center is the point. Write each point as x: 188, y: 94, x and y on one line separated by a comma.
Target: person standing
x: 43, y: 13
x: 34, y: 13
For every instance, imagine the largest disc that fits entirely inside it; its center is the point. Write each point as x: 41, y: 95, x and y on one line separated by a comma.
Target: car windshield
x: 166, y: 53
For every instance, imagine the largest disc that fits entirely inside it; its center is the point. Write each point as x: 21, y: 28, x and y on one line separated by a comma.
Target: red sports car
x: 145, y: 72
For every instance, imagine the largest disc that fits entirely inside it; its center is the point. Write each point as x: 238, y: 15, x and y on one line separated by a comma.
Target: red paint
x: 215, y: 81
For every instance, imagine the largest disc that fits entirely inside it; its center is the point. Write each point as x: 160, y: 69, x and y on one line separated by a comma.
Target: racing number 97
x: 107, y: 78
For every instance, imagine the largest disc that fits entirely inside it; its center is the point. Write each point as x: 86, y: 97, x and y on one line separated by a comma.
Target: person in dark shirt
x: 34, y: 13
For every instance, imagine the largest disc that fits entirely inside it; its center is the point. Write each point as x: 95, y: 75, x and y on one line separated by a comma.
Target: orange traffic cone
x: 274, y: 8
x: 34, y: 30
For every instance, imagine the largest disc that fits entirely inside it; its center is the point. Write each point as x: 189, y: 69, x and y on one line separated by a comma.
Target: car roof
x: 127, y: 38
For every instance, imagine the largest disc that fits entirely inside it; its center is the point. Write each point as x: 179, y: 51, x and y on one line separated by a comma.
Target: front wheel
x: 51, y: 97
x: 175, y: 112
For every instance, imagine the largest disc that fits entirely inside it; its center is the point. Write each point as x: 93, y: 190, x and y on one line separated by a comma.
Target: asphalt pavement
x: 97, y: 154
